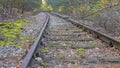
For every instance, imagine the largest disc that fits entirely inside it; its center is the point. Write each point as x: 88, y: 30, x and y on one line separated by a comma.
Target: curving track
x: 63, y: 45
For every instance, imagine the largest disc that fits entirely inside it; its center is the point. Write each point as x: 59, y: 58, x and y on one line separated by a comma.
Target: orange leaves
x: 17, y: 65
x: 40, y: 67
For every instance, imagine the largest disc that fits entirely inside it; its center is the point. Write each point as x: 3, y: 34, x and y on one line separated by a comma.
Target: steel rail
x: 103, y: 36
x: 28, y: 57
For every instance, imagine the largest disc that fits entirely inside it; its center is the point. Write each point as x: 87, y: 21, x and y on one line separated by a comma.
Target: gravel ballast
x: 11, y: 57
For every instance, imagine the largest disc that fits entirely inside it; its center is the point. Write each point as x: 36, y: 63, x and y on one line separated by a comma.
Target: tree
x: 11, y: 8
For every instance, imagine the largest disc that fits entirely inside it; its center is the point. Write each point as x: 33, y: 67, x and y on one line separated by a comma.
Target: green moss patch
x: 10, y: 33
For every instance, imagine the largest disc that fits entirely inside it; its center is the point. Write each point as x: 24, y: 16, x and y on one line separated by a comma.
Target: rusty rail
x: 103, y: 36
x: 28, y: 57
x: 110, y: 40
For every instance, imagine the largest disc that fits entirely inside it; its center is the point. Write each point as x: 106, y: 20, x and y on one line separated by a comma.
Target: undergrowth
x: 10, y: 33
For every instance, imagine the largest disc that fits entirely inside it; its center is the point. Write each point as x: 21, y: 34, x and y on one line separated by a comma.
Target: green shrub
x: 81, y: 50
x: 44, y: 51
x: 11, y: 32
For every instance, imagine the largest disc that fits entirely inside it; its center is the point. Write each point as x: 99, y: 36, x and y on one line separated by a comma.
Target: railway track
x: 63, y: 45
